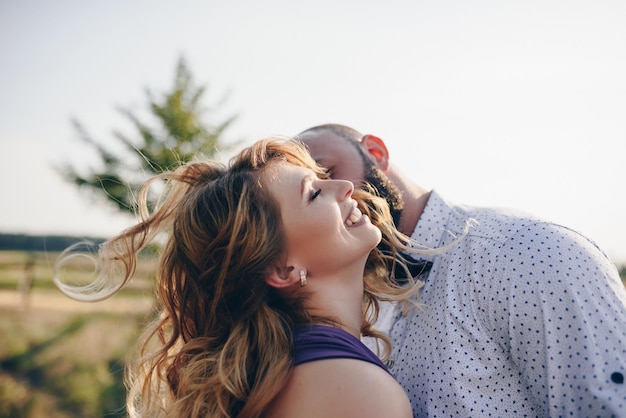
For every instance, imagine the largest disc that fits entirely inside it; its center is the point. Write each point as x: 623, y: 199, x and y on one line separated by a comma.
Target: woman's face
x: 324, y: 229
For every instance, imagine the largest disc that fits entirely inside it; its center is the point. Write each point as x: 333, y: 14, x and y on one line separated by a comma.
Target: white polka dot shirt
x: 521, y: 318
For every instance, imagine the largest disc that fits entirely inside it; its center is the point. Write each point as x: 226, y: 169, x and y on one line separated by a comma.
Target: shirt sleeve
x: 560, y: 307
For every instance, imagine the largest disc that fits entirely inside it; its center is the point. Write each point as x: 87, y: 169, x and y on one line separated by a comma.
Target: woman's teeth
x: 355, y: 216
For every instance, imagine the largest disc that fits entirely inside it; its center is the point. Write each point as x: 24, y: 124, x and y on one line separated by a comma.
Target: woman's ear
x: 378, y: 150
x: 285, y: 277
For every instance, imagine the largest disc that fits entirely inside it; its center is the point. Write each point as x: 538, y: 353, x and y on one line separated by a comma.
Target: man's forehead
x: 339, y: 156
x: 323, y: 145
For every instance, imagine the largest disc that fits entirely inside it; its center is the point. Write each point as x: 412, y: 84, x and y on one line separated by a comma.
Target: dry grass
x: 56, y: 363
x: 62, y: 358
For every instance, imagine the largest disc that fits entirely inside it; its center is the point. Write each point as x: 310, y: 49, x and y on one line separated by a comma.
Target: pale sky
x: 520, y: 104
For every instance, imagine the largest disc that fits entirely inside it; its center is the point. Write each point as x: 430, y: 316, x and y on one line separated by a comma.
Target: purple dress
x: 318, y: 342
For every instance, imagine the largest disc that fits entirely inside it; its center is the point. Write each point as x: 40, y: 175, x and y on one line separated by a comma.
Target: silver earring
x: 302, y: 278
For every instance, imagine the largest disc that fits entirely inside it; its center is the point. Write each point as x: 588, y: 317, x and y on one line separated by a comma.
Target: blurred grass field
x: 61, y: 358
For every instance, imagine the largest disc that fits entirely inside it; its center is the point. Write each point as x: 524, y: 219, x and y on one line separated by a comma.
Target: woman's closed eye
x: 315, y: 194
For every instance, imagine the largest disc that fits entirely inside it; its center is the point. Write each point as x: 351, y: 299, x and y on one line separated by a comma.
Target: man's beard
x: 386, y: 189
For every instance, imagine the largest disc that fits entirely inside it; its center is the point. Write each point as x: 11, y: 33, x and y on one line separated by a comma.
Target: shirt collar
x: 432, y: 223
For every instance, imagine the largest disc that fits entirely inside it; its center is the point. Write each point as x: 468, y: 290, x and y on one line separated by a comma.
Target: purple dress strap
x: 319, y: 342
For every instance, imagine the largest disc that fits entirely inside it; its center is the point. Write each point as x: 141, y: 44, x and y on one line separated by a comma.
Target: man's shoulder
x: 506, y: 225
x: 517, y: 232
x: 493, y: 228
x: 497, y: 223
x: 502, y: 222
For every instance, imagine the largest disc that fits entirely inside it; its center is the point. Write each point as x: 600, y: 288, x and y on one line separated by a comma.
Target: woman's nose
x: 344, y: 188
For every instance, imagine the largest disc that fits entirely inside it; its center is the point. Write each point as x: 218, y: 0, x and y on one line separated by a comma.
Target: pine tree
x: 180, y: 135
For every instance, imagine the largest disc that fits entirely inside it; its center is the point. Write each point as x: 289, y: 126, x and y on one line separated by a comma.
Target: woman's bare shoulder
x: 340, y: 388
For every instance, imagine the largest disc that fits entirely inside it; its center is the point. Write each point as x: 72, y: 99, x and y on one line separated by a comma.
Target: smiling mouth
x: 356, y: 218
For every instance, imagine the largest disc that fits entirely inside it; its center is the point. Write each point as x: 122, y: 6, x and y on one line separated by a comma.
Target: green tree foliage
x: 180, y: 135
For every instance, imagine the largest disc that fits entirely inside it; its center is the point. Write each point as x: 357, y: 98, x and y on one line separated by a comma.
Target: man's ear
x: 378, y: 150
x: 283, y: 277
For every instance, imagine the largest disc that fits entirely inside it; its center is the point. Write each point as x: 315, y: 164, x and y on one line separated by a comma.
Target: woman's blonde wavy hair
x: 220, y: 345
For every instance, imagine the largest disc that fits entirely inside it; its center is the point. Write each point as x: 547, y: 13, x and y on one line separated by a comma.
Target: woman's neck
x: 339, y: 299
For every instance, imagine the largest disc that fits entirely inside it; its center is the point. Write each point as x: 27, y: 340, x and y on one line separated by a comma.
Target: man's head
x: 349, y: 155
